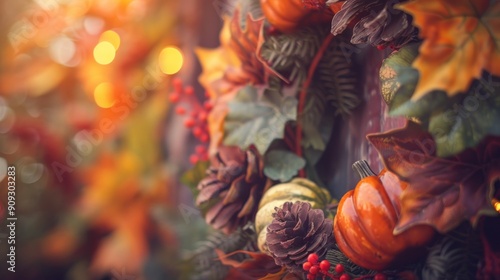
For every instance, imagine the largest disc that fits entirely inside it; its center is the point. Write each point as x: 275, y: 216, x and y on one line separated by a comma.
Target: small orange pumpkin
x: 365, y: 220
x: 287, y: 15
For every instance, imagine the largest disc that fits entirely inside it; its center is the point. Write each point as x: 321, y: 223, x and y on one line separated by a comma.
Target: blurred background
x: 86, y: 88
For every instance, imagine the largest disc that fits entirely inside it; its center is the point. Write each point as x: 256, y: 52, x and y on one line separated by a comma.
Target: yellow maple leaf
x: 461, y: 39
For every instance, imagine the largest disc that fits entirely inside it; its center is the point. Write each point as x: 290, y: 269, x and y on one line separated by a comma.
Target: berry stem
x: 303, y: 94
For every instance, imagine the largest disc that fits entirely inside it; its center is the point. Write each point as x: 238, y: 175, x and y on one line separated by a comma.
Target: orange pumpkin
x: 287, y: 15
x: 366, y: 218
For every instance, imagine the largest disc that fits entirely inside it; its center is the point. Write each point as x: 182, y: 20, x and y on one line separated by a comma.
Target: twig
x: 303, y: 94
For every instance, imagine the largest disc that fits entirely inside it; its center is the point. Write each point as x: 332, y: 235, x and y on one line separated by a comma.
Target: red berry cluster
x: 321, y: 269
x: 196, y: 115
x: 314, y: 269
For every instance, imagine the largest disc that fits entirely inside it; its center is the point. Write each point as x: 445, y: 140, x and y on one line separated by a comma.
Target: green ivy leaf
x: 457, y: 122
x: 257, y: 116
x: 282, y: 165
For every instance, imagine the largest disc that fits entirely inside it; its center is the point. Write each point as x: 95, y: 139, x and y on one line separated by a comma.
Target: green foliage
x: 317, y: 120
x: 336, y: 77
x: 258, y: 116
x: 455, y: 256
x: 282, y: 165
x: 203, y: 263
x: 457, y: 122
x: 291, y: 54
x: 335, y: 256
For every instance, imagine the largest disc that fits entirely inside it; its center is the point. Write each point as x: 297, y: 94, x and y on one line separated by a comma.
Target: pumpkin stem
x: 363, y: 169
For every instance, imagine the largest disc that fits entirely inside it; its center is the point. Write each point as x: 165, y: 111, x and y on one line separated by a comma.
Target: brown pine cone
x: 297, y: 231
x: 233, y: 188
x: 377, y: 22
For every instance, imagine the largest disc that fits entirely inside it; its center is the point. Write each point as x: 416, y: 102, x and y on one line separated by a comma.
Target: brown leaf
x: 442, y: 191
x: 244, y: 43
x: 460, y: 41
x: 234, y: 62
x: 259, y: 265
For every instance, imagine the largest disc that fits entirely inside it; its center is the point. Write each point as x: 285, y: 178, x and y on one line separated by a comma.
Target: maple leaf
x: 234, y: 62
x: 442, y: 192
x: 461, y: 39
x: 457, y: 122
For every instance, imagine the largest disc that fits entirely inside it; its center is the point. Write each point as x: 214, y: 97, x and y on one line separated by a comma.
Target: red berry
x: 306, y: 266
x: 272, y: 30
x: 189, y: 90
x: 200, y: 149
x: 189, y: 122
x: 202, y: 116
x: 194, y: 114
x: 313, y: 258
x: 194, y: 159
x: 339, y: 268
x: 311, y: 277
x: 380, y: 276
x: 204, y: 138
x: 380, y: 47
x: 314, y: 270
x: 174, y: 97
x: 197, y: 132
x: 208, y: 105
x: 345, y: 277
x: 180, y: 110
x: 324, y: 265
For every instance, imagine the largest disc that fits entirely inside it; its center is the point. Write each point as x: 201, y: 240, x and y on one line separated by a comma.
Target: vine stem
x: 303, y: 94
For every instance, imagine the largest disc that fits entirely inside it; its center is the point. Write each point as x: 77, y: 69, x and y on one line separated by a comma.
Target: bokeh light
x: 496, y: 204
x: 104, y: 53
x: 103, y: 95
x: 170, y: 60
x: 62, y: 50
x: 112, y: 37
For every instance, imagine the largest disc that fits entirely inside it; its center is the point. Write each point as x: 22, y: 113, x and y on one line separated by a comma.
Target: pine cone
x: 297, y: 231
x: 376, y: 22
x: 232, y: 189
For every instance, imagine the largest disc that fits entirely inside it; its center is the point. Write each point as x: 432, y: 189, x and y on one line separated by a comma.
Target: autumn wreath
x: 286, y: 73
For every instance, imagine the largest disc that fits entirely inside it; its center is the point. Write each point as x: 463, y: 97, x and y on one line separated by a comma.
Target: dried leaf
x: 442, y: 192
x: 258, y: 265
x: 257, y: 117
x: 457, y: 122
x: 460, y: 41
x: 216, y: 120
x: 282, y: 165
x: 234, y: 62
x: 244, y: 42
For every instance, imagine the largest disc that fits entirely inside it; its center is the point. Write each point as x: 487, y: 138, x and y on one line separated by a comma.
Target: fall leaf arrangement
x: 275, y: 86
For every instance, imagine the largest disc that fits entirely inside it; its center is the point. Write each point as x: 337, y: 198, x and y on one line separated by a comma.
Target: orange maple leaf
x: 229, y: 67
x: 234, y: 62
x: 461, y: 39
